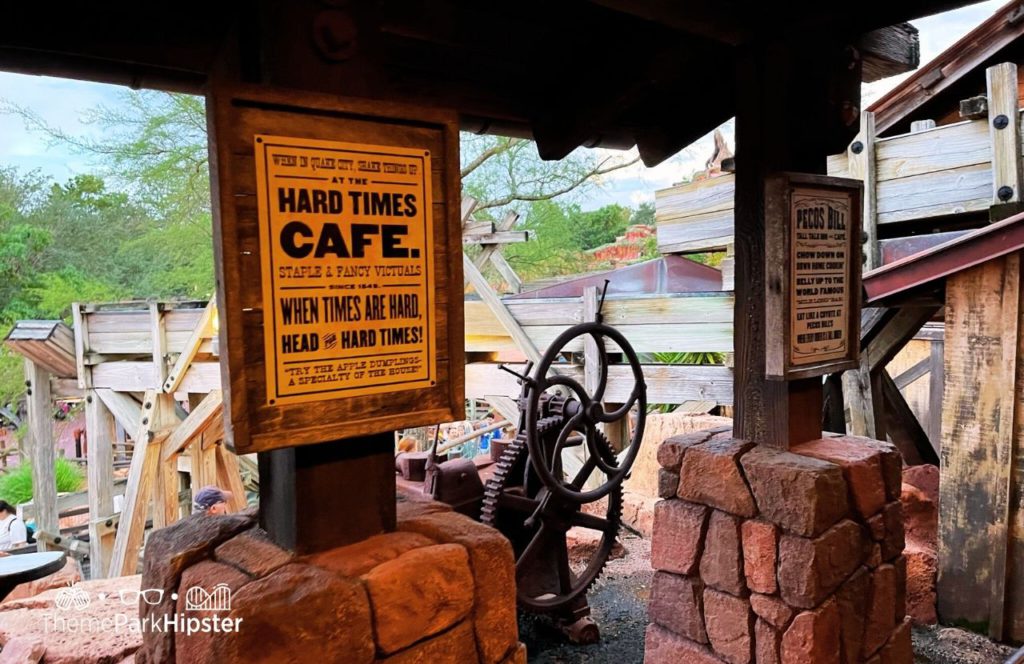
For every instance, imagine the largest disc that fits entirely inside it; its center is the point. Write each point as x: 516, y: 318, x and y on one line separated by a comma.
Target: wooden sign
x: 337, y: 240
x: 346, y: 242
x: 813, y: 267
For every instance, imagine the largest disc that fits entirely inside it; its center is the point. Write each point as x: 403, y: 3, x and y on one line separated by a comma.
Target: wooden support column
x: 41, y: 452
x: 786, y: 117
x: 317, y: 497
x: 99, y: 427
x: 1004, y: 132
x: 980, y: 415
x: 861, y: 156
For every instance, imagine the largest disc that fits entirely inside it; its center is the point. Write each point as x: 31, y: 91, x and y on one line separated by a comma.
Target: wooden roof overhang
x: 925, y: 272
x: 613, y: 73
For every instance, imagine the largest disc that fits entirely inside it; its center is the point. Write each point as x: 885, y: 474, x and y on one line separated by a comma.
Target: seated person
x: 13, y: 532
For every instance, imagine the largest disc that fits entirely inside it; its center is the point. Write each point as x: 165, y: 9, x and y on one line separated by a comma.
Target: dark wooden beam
x: 788, y: 111
x: 317, y: 497
x: 889, y: 51
x: 902, y: 426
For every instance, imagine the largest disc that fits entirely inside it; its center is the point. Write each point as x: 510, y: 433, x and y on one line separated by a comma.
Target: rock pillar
x: 764, y: 556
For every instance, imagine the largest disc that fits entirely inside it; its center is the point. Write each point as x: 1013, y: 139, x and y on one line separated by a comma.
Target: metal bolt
x: 110, y: 522
x: 145, y: 420
x: 149, y: 404
x: 1005, y: 193
x: 857, y: 147
x: 335, y: 35
x: 28, y: 383
x: 88, y: 399
x: 1001, y: 122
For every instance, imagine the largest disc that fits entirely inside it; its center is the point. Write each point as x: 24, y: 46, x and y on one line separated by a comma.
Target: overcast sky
x: 63, y: 102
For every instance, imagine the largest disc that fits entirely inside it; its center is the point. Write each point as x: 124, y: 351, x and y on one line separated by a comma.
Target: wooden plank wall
x: 981, y: 507
x: 927, y: 173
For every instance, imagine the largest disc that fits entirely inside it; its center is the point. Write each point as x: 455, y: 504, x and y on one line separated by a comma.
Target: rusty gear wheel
x: 537, y: 521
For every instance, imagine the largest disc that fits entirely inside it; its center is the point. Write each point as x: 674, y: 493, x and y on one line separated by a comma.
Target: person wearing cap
x: 211, y: 500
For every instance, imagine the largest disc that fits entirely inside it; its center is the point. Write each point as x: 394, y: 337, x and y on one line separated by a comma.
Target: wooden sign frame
x: 783, y: 242
x: 237, y: 115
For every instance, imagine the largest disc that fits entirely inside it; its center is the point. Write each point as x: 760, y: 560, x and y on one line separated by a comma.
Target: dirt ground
x: 618, y: 604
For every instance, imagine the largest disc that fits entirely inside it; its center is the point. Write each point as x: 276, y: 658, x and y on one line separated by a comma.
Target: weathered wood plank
x: 666, y: 383
x: 974, y: 395
x: 199, y: 332
x: 142, y: 476
x: 689, y: 199
x: 500, y: 311
x: 862, y: 166
x: 125, y: 409
x: 197, y: 421
x: 1005, y: 136
x: 953, y: 191
x: 99, y: 427
x: 42, y: 450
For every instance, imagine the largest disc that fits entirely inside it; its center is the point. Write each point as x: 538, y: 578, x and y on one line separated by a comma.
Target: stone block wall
x: 440, y: 588
x: 769, y: 557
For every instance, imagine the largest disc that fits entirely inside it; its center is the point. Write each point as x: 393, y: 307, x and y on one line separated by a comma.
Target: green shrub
x: 16, y: 484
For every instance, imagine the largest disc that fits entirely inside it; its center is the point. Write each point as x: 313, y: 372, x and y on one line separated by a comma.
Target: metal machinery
x: 530, y: 494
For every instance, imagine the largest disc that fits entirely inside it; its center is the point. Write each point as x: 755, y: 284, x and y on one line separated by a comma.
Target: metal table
x: 15, y: 570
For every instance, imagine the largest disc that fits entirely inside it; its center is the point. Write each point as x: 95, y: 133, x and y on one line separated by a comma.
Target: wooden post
x: 784, y: 122
x: 317, y: 497
x: 41, y: 452
x: 979, y: 417
x: 1004, y: 132
x: 861, y: 154
x: 99, y: 428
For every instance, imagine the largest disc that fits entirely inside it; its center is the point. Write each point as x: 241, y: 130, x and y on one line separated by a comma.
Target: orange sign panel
x: 346, y: 234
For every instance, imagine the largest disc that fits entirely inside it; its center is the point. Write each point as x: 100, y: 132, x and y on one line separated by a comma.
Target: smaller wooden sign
x: 812, y: 274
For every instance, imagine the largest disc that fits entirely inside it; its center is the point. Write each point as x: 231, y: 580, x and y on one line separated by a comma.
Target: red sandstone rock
x: 900, y: 563
x: 880, y: 614
x: 920, y: 516
x: 670, y: 452
x: 925, y: 478
x: 35, y: 619
x: 812, y: 637
x: 22, y: 651
x: 711, y: 475
x: 874, y: 556
x: 898, y: 649
x: 518, y: 656
x: 207, y: 575
x: 721, y: 565
x: 494, y: 575
x: 168, y: 552
x: 852, y: 599
x: 766, y: 643
x: 676, y: 605
x: 455, y: 645
x: 638, y: 512
x: 922, y: 566
x: 253, y: 552
x: 420, y: 593
x: 772, y: 609
x: 357, y: 559
x: 333, y: 612
x: 802, y: 495
x: 662, y: 646
x: 892, y: 465
x: 759, y: 548
x: 894, y: 541
x: 862, y: 469
x: 678, y: 535
x: 729, y: 625
x: 810, y: 569
x: 661, y: 427
x: 668, y: 483
x: 68, y: 575
x: 582, y: 544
